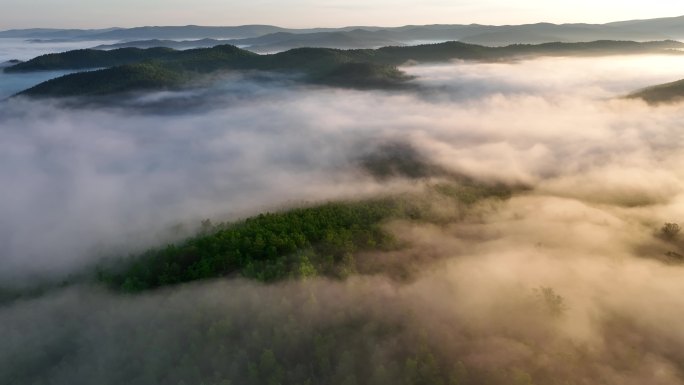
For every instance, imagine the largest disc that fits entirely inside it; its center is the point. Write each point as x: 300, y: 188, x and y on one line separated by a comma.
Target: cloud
x: 564, y: 281
x: 79, y: 179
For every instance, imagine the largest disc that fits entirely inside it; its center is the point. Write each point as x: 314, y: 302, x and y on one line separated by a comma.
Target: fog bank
x: 569, y: 281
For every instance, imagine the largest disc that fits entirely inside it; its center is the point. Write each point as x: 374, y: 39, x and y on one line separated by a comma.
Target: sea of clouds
x: 602, y: 175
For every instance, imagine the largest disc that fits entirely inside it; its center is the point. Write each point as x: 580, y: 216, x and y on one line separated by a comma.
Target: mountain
x: 160, y: 68
x: 89, y: 58
x: 393, y: 55
x: 663, y: 93
x: 149, y: 32
x: 52, y: 33
x: 186, y: 32
x: 175, y: 44
x: 281, y: 41
x: 274, y: 42
x: 164, y: 32
x: 125, y: 78
x: 547, y: 32
x: 271, y: 38
x: 372, y: 37
x: 673, y: 27
x: 9, y: 63
x: 364, y: 75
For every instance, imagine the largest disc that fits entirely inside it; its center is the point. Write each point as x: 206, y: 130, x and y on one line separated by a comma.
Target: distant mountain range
x: 276, y: 42
x: 267, y: 38
x: 163, y: 32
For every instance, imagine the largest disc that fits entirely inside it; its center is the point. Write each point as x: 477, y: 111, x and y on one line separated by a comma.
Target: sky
x: 321, y: 13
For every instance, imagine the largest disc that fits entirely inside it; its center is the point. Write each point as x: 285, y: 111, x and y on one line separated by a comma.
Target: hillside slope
x: 168, y: 68
x: 662, y: 93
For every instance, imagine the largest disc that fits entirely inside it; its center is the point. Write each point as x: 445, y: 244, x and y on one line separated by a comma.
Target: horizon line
x: 3, y: 29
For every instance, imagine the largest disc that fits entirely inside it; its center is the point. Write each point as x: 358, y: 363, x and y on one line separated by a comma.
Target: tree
x: 552, y: 302
x: 670, y: 231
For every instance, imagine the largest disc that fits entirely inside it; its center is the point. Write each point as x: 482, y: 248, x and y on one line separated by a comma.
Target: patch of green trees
x: 295, y: 243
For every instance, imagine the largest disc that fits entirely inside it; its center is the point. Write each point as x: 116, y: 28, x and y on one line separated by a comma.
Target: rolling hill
x: 662, y: 93
x: 89, y: 58
x: 365, y: 68
x: 175, y: 44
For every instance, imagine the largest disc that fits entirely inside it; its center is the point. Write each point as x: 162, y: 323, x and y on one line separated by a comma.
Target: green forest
x: 297, y: 243
x: 292, y: 244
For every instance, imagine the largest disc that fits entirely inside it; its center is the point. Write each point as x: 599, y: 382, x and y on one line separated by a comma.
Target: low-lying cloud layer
x: 565, y: 281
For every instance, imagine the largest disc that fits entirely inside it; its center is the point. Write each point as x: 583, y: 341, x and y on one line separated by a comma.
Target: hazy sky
x: 311, y: 13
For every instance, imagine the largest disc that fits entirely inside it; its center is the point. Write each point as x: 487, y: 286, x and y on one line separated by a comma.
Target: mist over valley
x: 450, y: 213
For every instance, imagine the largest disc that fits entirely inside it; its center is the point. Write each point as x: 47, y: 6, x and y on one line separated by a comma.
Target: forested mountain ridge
x: 662, y: 93
x: 319, y: 65
x: 393, y: 55
x: 89, y: 58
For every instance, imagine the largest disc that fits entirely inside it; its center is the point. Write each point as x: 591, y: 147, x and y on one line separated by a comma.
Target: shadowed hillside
x: 90, y: 58
x: 130, y: 77
x: 348, y: 68
x: 663, y: 93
